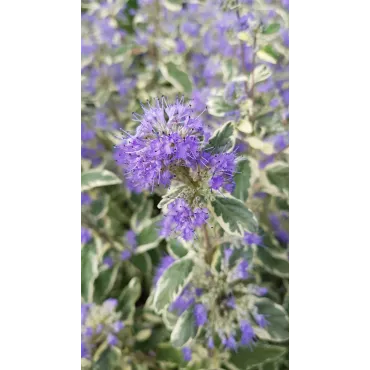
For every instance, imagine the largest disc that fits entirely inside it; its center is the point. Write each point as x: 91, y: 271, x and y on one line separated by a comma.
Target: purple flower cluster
x: 251, y: 238
x: 169, y: 140
x: 97, y: 322
x: 223, y: 167
x: 85, y: 199
x: 247, y: 337
x: 130, y: 239
x: 85, y: 235
x: 180, y: 219
x: 186, y: 352
x: 241, y: 271
x: 200, y: 314
x: 281, y: 235
x: 169, y: 143
x: 280, y: 142
x: 224, y: 305
x: 169, y: 136
x: 89, y: 148
x: 185, y: 300
x: 105, y: 80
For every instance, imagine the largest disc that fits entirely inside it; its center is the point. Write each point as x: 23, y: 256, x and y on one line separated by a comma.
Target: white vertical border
x: 292, y: 188
x: 40, y: 184
x: 40, y: 174
x: 329, y: 182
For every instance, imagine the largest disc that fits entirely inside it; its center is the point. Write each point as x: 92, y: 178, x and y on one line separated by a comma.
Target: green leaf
x: 179, y: 79
x: 148, y: 238
x: 278, y: 328
x: 278, y: 175
x: 265, y: 56
x: 96, y: 178
x: 171, y: 283
x: 176, y: 249
x: 268, y: 49
x: 217, y: 106
x: 166, y: 353
x: 106, y: 360
x: 173, y: 5
x: 140, y: 217
x: 242, y: 179
x: 184, y: 329
x: 272, y: 28
x: 172, y: 194
x: 159, y: 334
x: 99, y: 207
x: 246, y: 37
x: 245, y: 358
x: 128, y: 298
x: 222, y: 140
x: 282, y: 203
x: 245, y: 126
x: 142, y: 262
x: 104, y: 283
x: 89, y: 270
x: 228, y: 68
x: 101, y: 97
x: 261, y: 73
x: 123, y: 49
x: 143, y: 335
x: 277, y: 265
x: 246, y: 253
x: 233, y: 216
x: 169, y: 319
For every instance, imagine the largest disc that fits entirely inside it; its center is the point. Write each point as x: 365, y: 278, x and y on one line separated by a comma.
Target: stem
x: 243, y: 53
x: 253, y: 64
x: 157, y: 31
x: 209, y: 249
x: 251, y: 83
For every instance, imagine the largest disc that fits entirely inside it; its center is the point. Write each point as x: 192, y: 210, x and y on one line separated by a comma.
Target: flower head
x: 85, y: 199
x: 99, y: 322
x: 261, y: 291
x: 168, y: 136
x: 210, y: 343
x: 126, y: 254
x: 183, y: 302
x: 84, y: 351
x: 186, y: 352
x: 110, y: 304
x: 200, y: 314
x: 281, y: 141
x: 180, y: 219
x: 108, y: 261
x: 247, y: 333
x: 222, y: 168
x: 112, y: 340
x: 131, y: 239
x: 241, y: 271
x: 230, y: 343
x: 260, y: 320
x: 251, y: 238
x: 85, y: 235
x: 118, y: 326
x: 227, y: 254
x: 282, y: 236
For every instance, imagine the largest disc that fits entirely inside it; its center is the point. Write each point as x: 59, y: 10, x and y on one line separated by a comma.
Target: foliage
x: 185, y: 202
